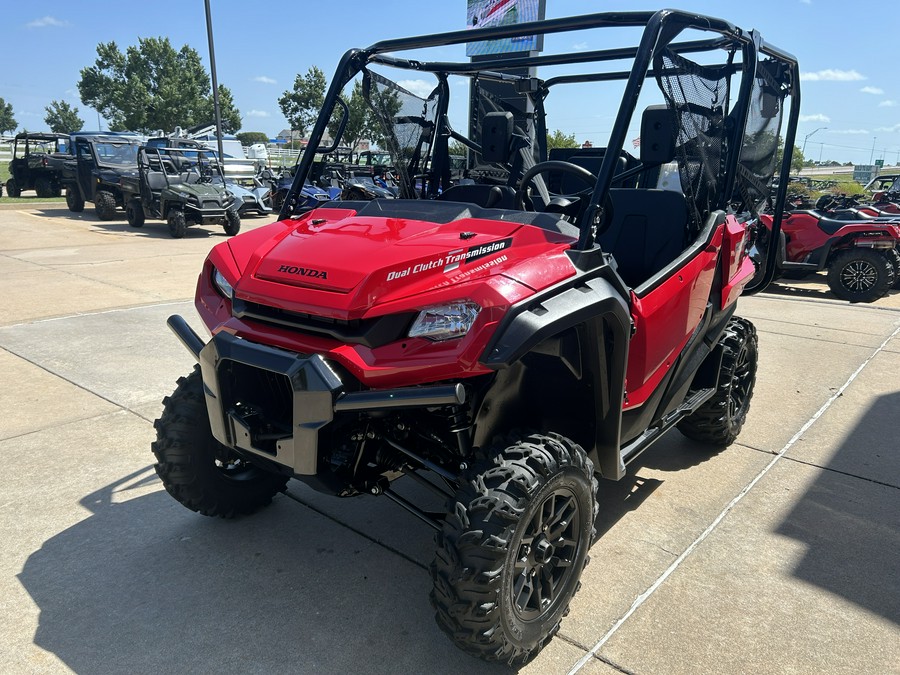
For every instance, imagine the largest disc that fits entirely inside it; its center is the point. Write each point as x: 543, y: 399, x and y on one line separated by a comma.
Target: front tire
x: 719, y: 421
x: 197, y: 470
x: 105, y: 205
x: 232, y: 224
x: 860, y: 275
x: 512, y: 548
x: 894, y: 258
x: 177, y: 223
x: 134, y: 213
x: 74, y: 200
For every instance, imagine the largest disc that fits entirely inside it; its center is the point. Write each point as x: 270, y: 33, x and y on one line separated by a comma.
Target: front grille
x: 368, y: 332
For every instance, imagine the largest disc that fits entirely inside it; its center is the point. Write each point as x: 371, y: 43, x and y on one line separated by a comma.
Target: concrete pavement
x: 777, y: 555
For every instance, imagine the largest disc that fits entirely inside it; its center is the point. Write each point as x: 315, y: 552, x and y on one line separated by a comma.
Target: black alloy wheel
x: 720, y: 419
x: 860, y: 275
x: 513, y: 545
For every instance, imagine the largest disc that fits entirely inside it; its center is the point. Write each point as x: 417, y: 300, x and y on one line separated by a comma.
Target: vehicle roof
x: 98, y: 137
x: 41, y: 136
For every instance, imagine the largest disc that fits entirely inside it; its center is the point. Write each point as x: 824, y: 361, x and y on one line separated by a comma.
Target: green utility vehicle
x: 169, y: 186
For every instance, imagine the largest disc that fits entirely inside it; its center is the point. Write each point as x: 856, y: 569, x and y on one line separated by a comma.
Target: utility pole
x: 806, y: 138
x: 872, y: 156
x: 215, y: 82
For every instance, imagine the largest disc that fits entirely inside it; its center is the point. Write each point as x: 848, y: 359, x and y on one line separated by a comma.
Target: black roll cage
x: 660, y: 30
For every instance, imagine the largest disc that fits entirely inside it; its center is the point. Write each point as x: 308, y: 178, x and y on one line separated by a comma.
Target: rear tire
x: 43, y: 187
x: 197, y: 470
x: 134, y: 212
x: 177, y: 223
x: 860, y: 275
x: 12, y: 188
x: 74, y: 200
x: 512, y: 548
x: 105, y: 205
x: 232, y: 224
x: 719, y: 421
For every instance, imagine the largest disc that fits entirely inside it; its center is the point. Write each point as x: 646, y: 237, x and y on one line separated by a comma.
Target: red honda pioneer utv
x: 504, y: 340
x: 858, y: 250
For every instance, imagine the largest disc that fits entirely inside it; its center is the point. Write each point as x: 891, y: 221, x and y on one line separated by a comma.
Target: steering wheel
x: 206, y: 172
x: 544, y: 167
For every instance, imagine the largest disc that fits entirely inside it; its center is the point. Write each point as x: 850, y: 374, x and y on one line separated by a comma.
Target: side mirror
x: 657, y: 135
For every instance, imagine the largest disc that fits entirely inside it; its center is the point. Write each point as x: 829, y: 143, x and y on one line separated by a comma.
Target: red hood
x: 347, y: 263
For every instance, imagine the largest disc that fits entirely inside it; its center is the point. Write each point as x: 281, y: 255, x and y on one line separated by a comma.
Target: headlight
x: 445, y: 322
x: 222, y: 284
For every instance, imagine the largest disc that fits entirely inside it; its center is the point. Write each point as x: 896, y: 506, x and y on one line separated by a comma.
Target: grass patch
x: 28, y: 200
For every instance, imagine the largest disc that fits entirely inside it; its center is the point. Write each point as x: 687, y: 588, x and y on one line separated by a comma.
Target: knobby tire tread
x: 473, y: 546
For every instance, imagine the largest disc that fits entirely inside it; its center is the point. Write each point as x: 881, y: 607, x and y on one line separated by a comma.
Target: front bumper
x: 274, y: 403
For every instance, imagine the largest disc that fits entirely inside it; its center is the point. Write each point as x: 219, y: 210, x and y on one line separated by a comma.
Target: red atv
x: 858, y: 251
x: 504, y: 340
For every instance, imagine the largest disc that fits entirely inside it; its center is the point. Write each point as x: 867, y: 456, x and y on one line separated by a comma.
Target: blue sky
x: 259, y: 51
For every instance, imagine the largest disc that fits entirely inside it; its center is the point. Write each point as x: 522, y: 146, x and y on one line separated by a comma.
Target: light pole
x: 872, y: 156
x: 806, y: 138
x: 215, y: 82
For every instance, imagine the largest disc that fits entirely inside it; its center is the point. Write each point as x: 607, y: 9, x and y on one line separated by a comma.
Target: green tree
x: 7, y: 121
x: 63, y: 118
x: 796, y: 157
x: 301, y: 104
x: 153, y: 86
x: 363, y: 122
x: 251, y: 137
x: 558, y: 139
x: 457, y: 148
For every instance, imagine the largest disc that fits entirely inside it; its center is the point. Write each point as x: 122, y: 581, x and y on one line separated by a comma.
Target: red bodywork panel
x: 803, y: 236
x: 667, y: 315
x: 332, y: 263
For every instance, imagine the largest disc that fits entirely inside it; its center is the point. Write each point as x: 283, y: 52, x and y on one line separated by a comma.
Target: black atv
x: 182, y: 191
x: 33, y: 167
x: 94, y: 172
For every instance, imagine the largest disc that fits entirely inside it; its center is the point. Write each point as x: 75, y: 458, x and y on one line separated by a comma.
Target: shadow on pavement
x: 154, y: 229
x: 851, y: 524
x: 143, y: 585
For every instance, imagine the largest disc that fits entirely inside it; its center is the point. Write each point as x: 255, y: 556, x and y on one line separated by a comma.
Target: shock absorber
x: 461, y: 426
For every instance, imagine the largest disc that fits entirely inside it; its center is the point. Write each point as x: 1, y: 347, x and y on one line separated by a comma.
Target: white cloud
x: 258, y: 113
x: 892, y: 129
x: 872, y: 90
x: 888, y: 104
x: 832, y: 75
x: 818, y: 117
x: 417, y: 87
x: 858, y: 132
x: 264, y: 79
x: 805, y: 2
x: 45, y: 21
x: 580, y: 47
